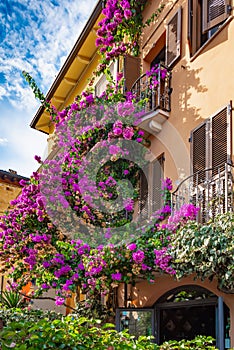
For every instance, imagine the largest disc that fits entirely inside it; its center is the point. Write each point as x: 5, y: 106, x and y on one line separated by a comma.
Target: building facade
x: 10, y: 188
x: 188, y: 120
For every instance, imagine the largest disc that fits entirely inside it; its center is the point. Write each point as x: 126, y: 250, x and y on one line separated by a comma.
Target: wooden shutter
x: 214, y: 13
x: 173, y: 45
x: 221, y: 138
x: 132, y: 71
x: 144, y: 195
x: 157, y: 175
x: 199, y: 151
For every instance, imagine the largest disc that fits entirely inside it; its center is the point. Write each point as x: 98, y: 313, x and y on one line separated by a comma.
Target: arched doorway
x: 188, y: 311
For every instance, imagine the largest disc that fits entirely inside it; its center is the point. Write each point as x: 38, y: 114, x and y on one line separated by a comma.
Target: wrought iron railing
x: 155, y: 95
x: 211, y: 190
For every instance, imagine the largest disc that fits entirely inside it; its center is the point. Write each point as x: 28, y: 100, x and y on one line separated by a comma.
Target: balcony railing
x: 155, y: 96
x: 211, y: 190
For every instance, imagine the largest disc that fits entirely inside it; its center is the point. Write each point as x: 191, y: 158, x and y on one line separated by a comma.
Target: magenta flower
x: 129, y: 204
x: 132, y: 246
x: 127, y: 14
x: 59, y: 301
x: 38, y: 159
x: 138, y: 256
x: 89, y: 99
x: 116, y: 276
x: 45, y: 286
x: 117, y: 131
x: 167, y: 184
x: 128, y: 133
x: 113, y: 149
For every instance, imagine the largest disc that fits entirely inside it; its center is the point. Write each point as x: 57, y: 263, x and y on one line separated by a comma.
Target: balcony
x: 211, y: 190
x: 156, y: 98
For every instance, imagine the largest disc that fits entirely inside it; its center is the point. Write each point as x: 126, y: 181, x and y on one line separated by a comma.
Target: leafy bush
x: 206, y: 250
x: 199, y: 343
x: 70, y: 334
x: 36, y: 329
x: 24, y: 315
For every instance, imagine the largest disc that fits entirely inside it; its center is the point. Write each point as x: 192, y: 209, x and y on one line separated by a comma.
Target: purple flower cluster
x: 162, y: 260
x: 155, y: 74
x: 116, y: 12
x: 184, y: 214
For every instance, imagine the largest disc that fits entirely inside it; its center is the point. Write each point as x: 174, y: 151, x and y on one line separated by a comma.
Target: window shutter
x: 214, y: 13
x: 173, y: 46
x: 199, y: 150
x: 157, y: 175
x: 190, y: 25
x: 132, y: 71
x: 221, y: 138
x: 144, y: 195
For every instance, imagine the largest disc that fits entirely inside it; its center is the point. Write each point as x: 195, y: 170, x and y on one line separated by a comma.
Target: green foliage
x: 11, y: 299
x: 27, y: 315
x: 36, y: 329
x: 38, y: 94
x: 68, y: 333
x: 207, y: 251
x: 199, y: 343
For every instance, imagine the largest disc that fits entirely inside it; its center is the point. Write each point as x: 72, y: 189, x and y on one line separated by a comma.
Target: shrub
x: 36, y: 329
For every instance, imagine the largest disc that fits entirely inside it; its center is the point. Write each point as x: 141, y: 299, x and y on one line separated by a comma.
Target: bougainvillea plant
x: 42, y: 238
x: 121, y: 29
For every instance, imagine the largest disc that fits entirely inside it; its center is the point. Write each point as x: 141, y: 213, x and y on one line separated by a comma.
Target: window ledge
x: 197, y: 53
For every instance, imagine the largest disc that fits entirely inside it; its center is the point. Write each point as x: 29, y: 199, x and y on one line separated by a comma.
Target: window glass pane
x: 137, y: 322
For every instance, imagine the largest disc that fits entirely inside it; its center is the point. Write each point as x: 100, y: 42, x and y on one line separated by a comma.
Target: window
x: 204, y: 19
x: 211, y: 142
x: 101, y: 84
x: 173, y: 46
x: 186, y: 311
x: 150, y: 191
x: 139, y: 322
x: 211, y: 183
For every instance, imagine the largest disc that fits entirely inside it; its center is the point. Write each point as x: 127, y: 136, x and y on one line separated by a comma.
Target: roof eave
x: 90, y: 23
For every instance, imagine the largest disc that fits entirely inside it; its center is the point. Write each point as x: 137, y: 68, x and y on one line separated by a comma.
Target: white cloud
x: 40, y: 45
x: 3, y: 92
x: 35, y: 36
x: 3, y: 141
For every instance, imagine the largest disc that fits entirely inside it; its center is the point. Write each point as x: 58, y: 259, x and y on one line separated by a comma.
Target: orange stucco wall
x: 201, y: 84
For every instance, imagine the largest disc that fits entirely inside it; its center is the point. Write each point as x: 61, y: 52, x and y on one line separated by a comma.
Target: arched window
x: 188, y: 311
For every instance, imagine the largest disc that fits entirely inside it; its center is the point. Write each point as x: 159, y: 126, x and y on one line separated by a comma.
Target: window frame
x: 194, y: 27
x: 209, y: 24
x: 178, y: 37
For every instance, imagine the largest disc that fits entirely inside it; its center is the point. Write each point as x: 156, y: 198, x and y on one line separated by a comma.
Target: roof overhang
x: 71, y: 72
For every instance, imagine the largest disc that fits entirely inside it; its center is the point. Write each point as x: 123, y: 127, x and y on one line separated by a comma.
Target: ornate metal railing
x: 155, y: 95
x: 211, y: 190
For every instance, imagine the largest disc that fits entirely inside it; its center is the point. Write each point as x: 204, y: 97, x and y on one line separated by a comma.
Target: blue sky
x: 36, y: 36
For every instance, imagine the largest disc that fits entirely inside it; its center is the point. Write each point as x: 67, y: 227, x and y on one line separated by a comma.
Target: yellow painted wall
x: 8, y: 192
